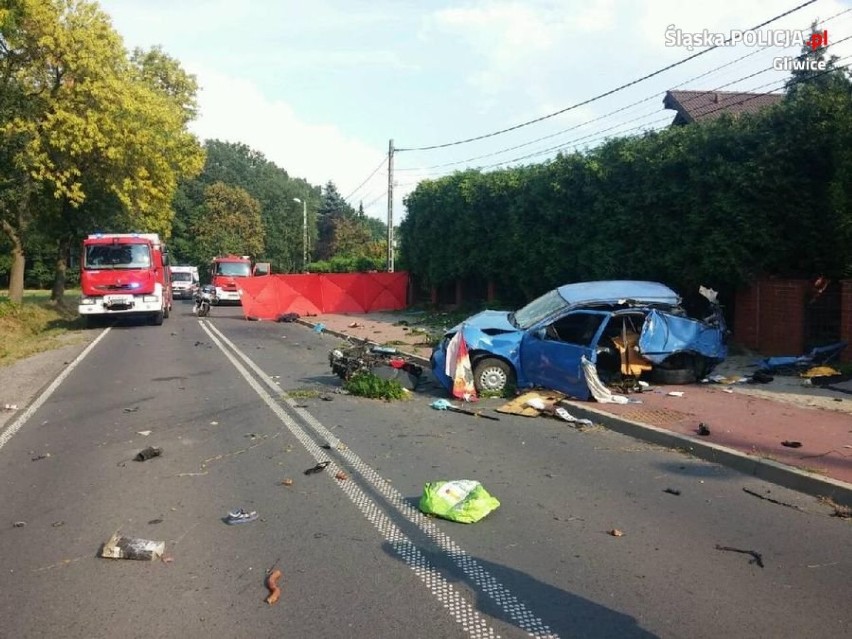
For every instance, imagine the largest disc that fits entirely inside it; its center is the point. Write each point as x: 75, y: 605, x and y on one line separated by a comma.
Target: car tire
x: 493, y: 375
x: 167, y: 311
x: 673, y: 376
x: 157, y: 318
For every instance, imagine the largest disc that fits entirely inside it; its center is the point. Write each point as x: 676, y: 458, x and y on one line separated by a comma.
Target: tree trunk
x: 57, y: 293
x: 16, y: 276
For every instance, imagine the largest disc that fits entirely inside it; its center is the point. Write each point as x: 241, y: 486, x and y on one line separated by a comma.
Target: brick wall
x: 770, y: 316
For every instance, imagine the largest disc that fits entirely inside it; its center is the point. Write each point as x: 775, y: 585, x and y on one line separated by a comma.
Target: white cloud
x: 235, y: 110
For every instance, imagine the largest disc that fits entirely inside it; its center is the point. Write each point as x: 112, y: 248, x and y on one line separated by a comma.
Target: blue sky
x: 320, y: 87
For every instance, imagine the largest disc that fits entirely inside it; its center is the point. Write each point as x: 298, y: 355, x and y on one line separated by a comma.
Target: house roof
x: 694, y: 106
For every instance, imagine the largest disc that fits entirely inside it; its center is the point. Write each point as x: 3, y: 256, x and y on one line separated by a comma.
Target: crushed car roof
x: 613, y: 291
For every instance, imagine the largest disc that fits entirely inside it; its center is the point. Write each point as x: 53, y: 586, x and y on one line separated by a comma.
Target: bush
x: 366, y: 384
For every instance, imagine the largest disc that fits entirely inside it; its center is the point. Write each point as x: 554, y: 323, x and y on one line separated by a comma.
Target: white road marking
x: 15, y: 426
x: 459, y: 608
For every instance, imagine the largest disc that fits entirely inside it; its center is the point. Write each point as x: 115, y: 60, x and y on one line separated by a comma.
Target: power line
x: 606, y: 93
x: 381, y: 164
x: 625, y: 108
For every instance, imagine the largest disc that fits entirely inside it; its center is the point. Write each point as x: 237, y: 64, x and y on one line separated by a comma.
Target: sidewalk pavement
x: 747, y: 423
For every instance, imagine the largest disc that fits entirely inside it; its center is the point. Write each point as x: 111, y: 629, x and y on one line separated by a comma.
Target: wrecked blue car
x: 628, y: 329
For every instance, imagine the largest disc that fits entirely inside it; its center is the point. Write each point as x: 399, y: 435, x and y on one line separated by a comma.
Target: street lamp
x: 304, y: 232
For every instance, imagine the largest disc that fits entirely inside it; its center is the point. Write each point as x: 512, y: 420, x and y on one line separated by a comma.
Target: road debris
x: 843, y: 512
x: 154, y: 522
x: 615, y: 532
x: 240, y: 516
x: 57, y: 524
x: 144, y: 433
x: 443, y: 404
x: 319, y: 327
x: 790, y: 444
x: 675, y: 393
x: 318, y: 468
x: 272, y: 577
x: 19, y: 524
x: 704, y: 429
x: 757, y: 558
x: 40, y: 457
x: 119, y: 547
x: 672, y: 491
x: 287, y: 482
x: 148, y: 453
x: 773, y: 501
x: 10, y: 407
x: 461, y: 500
x: 341, y: 475
x: 131, y: 409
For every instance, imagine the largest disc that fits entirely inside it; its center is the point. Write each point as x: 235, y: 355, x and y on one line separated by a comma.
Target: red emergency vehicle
x: 225, y: 271
x: 125, y: 274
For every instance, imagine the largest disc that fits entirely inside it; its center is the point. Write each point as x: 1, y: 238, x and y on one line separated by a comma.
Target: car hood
x: 487, y: 321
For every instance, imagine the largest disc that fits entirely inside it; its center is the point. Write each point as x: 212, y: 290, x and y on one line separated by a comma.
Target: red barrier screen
x: 271, y: 296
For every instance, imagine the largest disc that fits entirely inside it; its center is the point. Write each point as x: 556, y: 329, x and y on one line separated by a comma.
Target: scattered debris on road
x: 240, y: 516
x: 462, y: 500
x: 57, y: 524
x: 773, y: 501
x: 131, y: 409
x: 672, y: 491
x: 319, y: 327
x: 757, y: 558
x: 615, y: 532
x: 340, y: 475
x: 154, y: 522
x: 40, y: 457
x: 704, y: 429
x: 119, y: 547
x: 287, y: 482
x: 272, y: 577
x: 443, y: 404
x: 148, y: 453
x: 675, y: 393
x: 843, y: 512
x: 19, y: 524
x: 10, y: 407
x: 318, y: 468
x: 790, y: 444
x: 288, y: 317
x: 144, y: 433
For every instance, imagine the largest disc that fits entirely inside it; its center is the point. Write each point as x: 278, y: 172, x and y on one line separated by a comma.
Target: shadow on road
x: 566, y: 614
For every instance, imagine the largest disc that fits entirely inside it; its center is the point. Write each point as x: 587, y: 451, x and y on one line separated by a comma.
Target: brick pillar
x: 782, y: 317
x: 746, y: 317
x: 846, y: 319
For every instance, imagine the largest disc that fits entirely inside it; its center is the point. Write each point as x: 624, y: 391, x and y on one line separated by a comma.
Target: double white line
x: 452, y: 599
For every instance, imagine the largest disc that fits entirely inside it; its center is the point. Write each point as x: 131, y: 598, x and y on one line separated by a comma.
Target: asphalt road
x: 358, y: 559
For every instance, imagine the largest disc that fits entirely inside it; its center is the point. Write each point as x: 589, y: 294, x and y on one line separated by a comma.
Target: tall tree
x: 82, y: 121
x: 230, y: 223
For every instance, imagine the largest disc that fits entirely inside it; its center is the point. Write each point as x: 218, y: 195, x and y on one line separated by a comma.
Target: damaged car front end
x: 628, y: 329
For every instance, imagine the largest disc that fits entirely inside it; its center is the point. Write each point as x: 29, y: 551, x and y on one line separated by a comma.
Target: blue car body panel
x: 609, y: 291
x: 665, y: 334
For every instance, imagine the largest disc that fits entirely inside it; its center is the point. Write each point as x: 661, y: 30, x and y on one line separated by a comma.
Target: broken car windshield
x: 538, y: 309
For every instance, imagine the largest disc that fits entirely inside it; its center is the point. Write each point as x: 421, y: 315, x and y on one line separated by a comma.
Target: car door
x: 551, y: 351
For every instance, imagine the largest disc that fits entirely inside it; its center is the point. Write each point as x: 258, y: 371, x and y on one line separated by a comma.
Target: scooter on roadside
x: 204, y: 299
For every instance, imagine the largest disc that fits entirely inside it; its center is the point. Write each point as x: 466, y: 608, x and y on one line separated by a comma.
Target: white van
x: 185, y: 281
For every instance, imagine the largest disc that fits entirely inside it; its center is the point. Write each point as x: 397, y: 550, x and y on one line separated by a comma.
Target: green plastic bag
x: 462, y: 500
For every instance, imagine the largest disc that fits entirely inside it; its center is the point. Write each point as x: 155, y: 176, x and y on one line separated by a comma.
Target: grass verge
x: 36, y: 325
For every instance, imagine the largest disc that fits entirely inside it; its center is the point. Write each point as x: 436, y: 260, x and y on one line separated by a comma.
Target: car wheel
x: 157, y: 318
x: 673, y: 375
x: 166, y: 311
x: 492, y: 374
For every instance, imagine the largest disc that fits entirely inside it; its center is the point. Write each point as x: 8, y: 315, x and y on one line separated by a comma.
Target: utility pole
x: 390, y: 206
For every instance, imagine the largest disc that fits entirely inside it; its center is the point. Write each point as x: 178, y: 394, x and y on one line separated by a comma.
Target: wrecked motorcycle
x: 381, y: 361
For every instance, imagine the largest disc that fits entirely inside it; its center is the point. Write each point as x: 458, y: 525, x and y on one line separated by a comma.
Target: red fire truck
x: 125, y: 274
x: 227, y: 270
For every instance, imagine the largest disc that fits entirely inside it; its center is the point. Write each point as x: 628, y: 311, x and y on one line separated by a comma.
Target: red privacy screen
x: 270, y: 296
